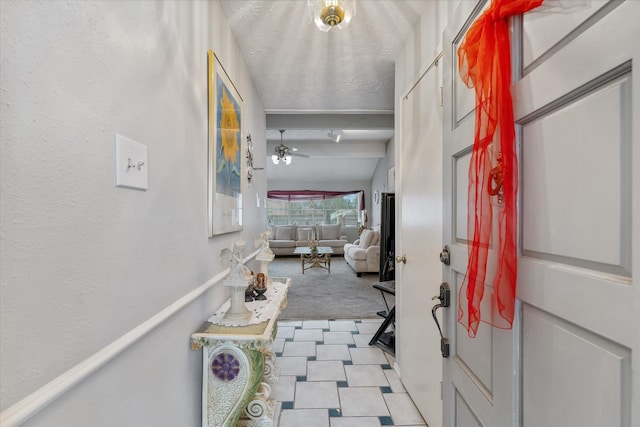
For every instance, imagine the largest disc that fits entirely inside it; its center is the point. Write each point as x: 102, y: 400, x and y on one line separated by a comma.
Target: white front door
x: 571, y: 358
x: 419, y: 239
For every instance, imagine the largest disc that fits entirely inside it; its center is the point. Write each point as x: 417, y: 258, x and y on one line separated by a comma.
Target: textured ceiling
x: 299, y: 70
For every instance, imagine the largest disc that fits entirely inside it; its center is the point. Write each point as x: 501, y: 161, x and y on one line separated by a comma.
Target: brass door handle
x: 401, y: 259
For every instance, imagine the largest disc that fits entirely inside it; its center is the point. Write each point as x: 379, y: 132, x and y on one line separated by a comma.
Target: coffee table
x: 320, y: 257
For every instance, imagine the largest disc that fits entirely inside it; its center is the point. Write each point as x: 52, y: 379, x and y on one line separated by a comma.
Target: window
x: 326, y: 210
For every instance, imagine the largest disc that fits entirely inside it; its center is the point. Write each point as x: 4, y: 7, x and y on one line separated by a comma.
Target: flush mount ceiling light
x: 328, y: 14
x: 282, y: 152
x: 334, y: 136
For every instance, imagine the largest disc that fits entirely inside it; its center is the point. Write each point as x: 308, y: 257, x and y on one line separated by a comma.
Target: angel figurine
x: 237, y: 281
x: 235, y: 256
x: 262, y: 242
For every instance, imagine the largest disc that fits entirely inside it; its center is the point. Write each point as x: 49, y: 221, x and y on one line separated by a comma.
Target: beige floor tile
x: 390, y: 358
x: 315, y: 324
x: 338, y: 338
x: 342, y: 326
x: 362, y: 401
x: 290, y: 323
x: 362, y: 340
x: 304, y: 417
x: 284, y: 390
x: 325, y: 370
x: 299, y: 348
x: 394, y: 381
x: 285, y: 332
x: 369, y: 327
x: 367, y: 356
x: 355, y: 422
x: 292, y: 365
x: 278, y: 345
x: 316, y: 395
x: 403, y: 411
x: 308, y: 335
x: 332, y: 352
x: 365, y: 376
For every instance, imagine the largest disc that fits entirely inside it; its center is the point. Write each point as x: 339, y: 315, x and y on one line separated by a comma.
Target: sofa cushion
x: 356, y: 253
x: 304, y: 234
x: 284, y: 232
x: 328, y: 232
x: 282, y: 243
x: 332, y: 243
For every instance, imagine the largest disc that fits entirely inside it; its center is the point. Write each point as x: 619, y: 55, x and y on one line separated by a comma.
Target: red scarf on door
x: 484, y: 62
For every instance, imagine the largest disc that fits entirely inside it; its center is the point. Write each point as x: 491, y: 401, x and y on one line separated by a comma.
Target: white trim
x: 47, y: 394
x: 326, y: 111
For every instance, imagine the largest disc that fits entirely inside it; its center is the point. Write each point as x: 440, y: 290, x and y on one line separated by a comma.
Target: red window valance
x: 304, y: 195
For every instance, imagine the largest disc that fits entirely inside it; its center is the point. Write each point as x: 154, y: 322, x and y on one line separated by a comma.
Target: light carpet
x: 320, y: 295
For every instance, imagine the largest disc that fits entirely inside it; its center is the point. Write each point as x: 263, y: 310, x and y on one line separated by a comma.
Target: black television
x: 387, y: 237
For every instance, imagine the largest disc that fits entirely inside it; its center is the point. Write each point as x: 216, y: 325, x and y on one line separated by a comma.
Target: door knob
x: 402, y: 259
x: 445, y: 256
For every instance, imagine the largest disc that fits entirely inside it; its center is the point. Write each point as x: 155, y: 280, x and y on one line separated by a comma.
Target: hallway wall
x: 83, y: 262
x: 379, y: 183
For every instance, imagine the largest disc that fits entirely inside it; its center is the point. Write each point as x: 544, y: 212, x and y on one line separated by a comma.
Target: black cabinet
x: 387, y: 237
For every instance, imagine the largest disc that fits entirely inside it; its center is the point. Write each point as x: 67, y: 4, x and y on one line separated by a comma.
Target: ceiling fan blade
x: 300, y: 155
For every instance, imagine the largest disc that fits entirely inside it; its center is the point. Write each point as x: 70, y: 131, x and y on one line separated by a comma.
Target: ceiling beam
x: 356, y: 121
x: 369, y: 150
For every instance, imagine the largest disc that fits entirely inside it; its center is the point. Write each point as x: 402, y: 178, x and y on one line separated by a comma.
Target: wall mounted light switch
x: 131, y: 164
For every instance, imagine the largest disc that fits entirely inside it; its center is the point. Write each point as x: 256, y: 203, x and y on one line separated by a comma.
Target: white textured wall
x: 83, y: 262
x: 379, y: 182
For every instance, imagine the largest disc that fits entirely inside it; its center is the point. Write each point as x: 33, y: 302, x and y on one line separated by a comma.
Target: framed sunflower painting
x: 225, y: 151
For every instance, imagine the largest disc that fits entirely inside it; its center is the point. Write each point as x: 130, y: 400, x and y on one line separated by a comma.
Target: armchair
x: 363, y: 255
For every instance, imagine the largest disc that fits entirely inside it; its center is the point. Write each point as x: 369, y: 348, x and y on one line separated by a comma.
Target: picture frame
x: 225, y: 150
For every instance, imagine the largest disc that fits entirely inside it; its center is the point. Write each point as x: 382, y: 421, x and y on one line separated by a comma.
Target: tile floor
x: 331, y: 377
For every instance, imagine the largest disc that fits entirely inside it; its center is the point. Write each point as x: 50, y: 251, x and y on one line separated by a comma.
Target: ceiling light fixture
x: 335, y: 137
x: 282, y: 152
x: 328, y: 14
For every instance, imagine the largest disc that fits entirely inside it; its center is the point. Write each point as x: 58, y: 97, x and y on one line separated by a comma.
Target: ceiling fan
x: 285, y: 153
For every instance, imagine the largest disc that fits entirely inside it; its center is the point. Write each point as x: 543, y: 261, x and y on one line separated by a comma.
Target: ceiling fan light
x: 287, y: 159
x: 275, y: 159
x: 328, y: 14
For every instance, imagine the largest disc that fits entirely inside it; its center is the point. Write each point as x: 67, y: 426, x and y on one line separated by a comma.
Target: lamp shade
x: 328, y: 14
x: 275, y: 159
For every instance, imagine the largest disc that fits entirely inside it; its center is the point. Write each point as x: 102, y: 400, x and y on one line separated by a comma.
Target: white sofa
x: 363, y: 255
x: 286, y: 238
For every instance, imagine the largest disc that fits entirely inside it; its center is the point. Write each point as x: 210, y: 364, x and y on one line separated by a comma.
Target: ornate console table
x: 238, y: 363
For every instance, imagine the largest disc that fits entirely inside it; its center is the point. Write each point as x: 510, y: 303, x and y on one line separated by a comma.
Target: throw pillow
x: 284, y: 232
x: 330, y: 232
x: 375, y: 240
x: 365, y: 238
x: 304, y: 234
